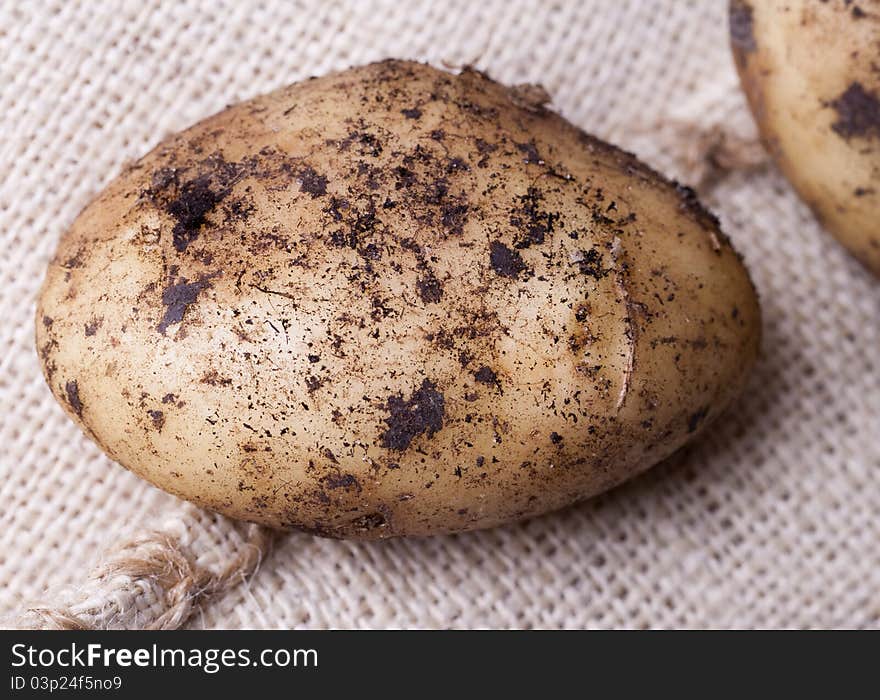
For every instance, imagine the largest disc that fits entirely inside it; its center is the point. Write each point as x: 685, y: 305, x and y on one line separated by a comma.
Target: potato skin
x: 811, y: 71
x: 393, y: 301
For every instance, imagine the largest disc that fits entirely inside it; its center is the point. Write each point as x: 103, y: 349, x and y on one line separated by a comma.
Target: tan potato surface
x: 811, y: 71
x: 393, y: 301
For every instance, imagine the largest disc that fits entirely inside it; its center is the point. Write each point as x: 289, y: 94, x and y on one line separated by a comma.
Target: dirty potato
x: 811, y: 71
x: 393, y: 301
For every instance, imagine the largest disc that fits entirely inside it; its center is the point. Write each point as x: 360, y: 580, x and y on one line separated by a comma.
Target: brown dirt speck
x: 422, y: 413
x: 177, y: 298
x: 190, y: 208
x: 71, y: 389
x: 312, y: 183
x: 92, y: 326
x: 342, y: 481
x: 157, y: 418
x: 505, y: 262
x: 430, y: 289
x: 213, y: 378
x: 858, y: 113
x: 486, y: 375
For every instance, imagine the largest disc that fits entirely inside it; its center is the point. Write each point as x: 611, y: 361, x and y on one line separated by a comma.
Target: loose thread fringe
x: 156, y: 561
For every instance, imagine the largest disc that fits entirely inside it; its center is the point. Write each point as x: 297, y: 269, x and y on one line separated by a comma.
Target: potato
x: 393, y: 301
x: 811, y: 71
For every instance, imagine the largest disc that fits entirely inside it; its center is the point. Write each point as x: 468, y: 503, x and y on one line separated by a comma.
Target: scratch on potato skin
x: 630, y: 328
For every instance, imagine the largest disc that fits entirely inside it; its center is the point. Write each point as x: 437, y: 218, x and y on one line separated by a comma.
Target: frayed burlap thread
x: 157, y: 581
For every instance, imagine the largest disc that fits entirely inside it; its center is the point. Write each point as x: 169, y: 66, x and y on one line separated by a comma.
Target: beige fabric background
x: 771, y: 520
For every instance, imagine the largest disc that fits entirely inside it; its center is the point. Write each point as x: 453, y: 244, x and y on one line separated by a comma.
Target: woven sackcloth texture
x: 770, y: 520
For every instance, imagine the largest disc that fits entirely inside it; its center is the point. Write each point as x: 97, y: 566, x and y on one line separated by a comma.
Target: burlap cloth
x: 771, y: 520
